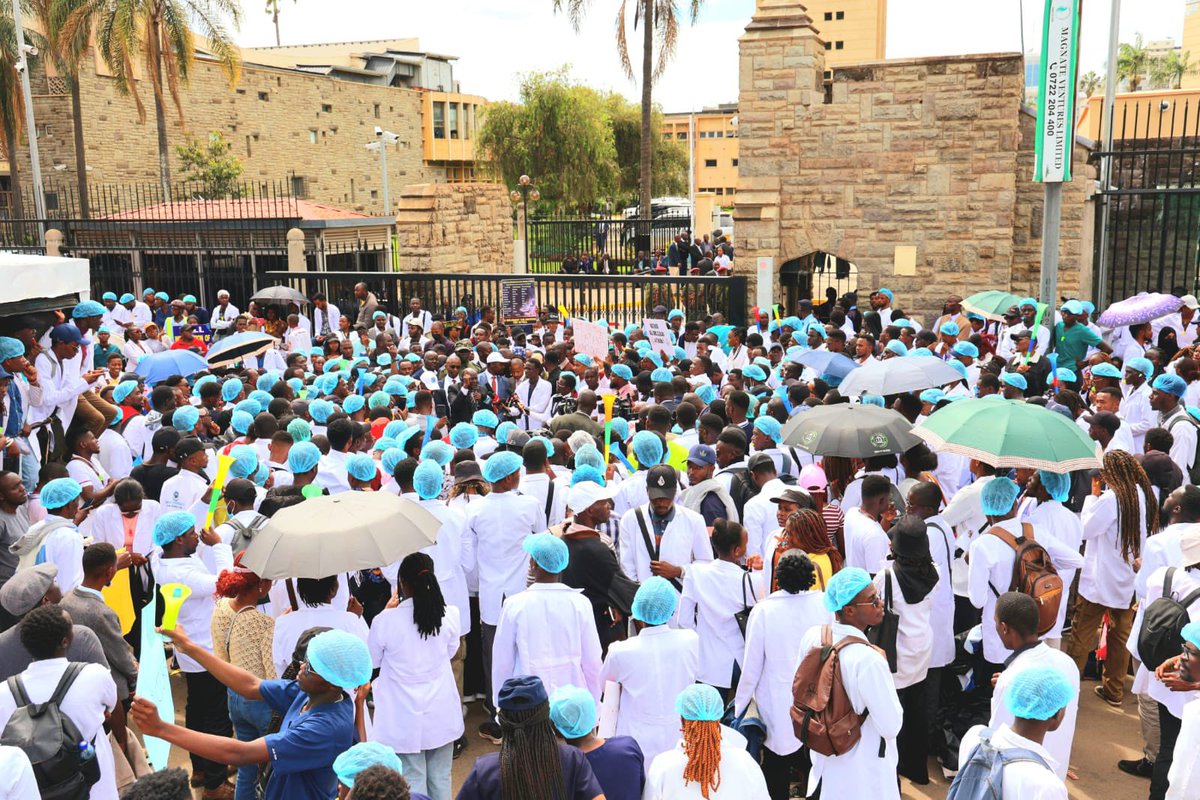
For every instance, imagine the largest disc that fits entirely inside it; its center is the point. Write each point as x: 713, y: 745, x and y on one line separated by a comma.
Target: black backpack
x: 1193, y: 470
x: 51, y: 740
x: 1161, y: 637
x: 741, y: 489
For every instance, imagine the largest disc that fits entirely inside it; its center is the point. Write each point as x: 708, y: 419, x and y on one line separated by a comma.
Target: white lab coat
x: 652, y: 668
x: 280, y: 602
x: 289, y: 628
x: 741, y: 777
x: 867, y: 545
x: 1183, y: 583
x: 334, y: 315
x: 105, y: 524
x: 417, y: 706
x: 549, y: 631
x: 221, y: 319
x: 860, y: 773
x: 1136, y: 414
x: 1160, y: 550
x: 115, y: 456
x: 538, y: 485
x: 537, y: 401
x: 941, y: 615
x: 1107, y: 578
x: 496, y: 527
x: 1057, y: 743
x: 61, y: 386
x: 713, y: 592
x: 914, y: 639
x: 447, y: 555
x: 183, y: 491
x: 1184, y: 777
x: 16, y: 775
x: 773, y: 635
x: 195, y: 615
x: 1023, y: 780
x: 684, y: 542
x: 758, y: 517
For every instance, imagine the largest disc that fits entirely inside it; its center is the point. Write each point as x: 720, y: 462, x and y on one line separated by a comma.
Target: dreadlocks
x: 702, y: 744
x: 1124, y: 475
x: 530, y: 764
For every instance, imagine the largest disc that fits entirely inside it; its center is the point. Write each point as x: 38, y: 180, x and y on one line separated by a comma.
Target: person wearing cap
x: 29, y: 589
x: 64, y: 384
x: 705, y: 495
x: 882, y: 314
x: 616, y: 761
x: 222, y: 316
x: 104, y: 349
x: 661, y: 537
x: 190, y: 487
x: 1135, y: 411
x: 318, y: 715
x: 758, y: 513
x: 1107, y: 429
x: 1166, y: 398
x: 56, y: 539
x: 540, y: 482
x: 1073, y: 339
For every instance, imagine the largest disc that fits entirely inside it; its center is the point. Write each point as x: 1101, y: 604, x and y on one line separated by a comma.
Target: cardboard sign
x: 659, y: 334
x: 590, y: 338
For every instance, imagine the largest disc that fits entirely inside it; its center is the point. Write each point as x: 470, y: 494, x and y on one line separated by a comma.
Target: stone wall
x: 926, y: 153
x: 459, y: 228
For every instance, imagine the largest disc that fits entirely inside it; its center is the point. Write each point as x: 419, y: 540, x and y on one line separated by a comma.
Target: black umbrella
x: 852, y: 430
x: 279, y: 294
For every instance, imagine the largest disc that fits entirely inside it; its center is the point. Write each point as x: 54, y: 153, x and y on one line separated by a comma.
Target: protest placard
x: 659, y: 334
x: 590, y: 338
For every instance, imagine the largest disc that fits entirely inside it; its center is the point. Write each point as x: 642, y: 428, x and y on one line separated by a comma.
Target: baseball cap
x: 702, y: 454
x: 1105, y: 419
x: 661, y: 482
x: 67, y: 333
x: 792, y: 496
x: 586, y: 494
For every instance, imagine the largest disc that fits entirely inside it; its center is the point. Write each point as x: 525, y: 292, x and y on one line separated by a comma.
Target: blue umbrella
x: 238, y: 347
x: 826, y: 362
x: 157, y: 367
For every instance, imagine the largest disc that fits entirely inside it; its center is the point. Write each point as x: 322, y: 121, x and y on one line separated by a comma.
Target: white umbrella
x: 338, y: 533
x: 899, y: 375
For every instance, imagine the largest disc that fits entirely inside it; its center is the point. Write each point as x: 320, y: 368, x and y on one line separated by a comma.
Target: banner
x: 590, y: 338
x: 1056, y: 93
x: 518, y: 301
x: 659, y: 334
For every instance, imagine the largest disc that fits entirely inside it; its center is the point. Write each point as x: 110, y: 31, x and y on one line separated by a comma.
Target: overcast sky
x: 497, y: 40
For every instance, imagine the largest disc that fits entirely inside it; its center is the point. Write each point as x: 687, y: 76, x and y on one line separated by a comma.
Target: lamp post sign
x: 1056, y: 93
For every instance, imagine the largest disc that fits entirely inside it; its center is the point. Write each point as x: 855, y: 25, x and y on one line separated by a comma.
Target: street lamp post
x: 524, y: 192
x: 382, y: 140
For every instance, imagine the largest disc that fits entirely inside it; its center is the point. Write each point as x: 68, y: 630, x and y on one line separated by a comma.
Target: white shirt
x: 290, y: 626
x: 712, y: 594
x: 867, y: 545
x: 16, y: 775
x: 1184, y: 777
x: 914, y: 639
x: 422, y: 318
x: 61, y: 387
x: 183, y: 491
x: 105, y: 524
x: 141, y: 313
x: 1160, y: 550
x: 1107, y: 578
x: 115, y: 456
x: 1136, y: 414
x: 416, y: 700
x: 538, y: 486
x: 1183, y: 451
x: 758, y: 517
x: 280, y: 602
x: 334, y: 316
x: 537, y: 400
x: 87, y: 472
x: 221, y: 319
x: 496, y: 526
x: 1183, y: 583
x: 941, y: 615
x: 741, y: 777
x: 1058, y: 742
x: 549, y: 631
x: 684, y: 541
x: 195, y: 615
x: 297, y: 340
x: 1023, y: 780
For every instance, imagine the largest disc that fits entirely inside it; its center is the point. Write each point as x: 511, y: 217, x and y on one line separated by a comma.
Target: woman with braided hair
x: 532, y: 763
x: 805, y: 530
x: 711, y: 761
x: 1117, y: 517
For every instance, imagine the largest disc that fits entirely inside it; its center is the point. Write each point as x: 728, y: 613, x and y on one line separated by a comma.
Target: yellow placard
x: 119, y: 597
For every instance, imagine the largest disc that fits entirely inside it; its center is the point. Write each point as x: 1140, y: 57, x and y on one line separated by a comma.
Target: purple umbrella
x: 1138, y: 309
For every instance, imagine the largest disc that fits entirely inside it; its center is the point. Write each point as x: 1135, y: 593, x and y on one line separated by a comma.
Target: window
x: 735, y: 162
x: 710, y: 162
x: 829, y: 45
x: 838, y: 45
x: 312, y: 136
x: 326, y: 108
x: 299, y: 186
x: 729, y: 190
x: 682, y: 135
x: 454, y: 120
x: 828, y: 15
x: 439, y: 120
x: 841, y: 15
x: 377, y: 111
x: 264, y: 96
x: 467, y: 111
x: 720, y: 191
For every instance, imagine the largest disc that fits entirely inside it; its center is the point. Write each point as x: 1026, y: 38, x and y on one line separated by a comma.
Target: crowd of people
x: 686, y: 255
x: 670, y: 599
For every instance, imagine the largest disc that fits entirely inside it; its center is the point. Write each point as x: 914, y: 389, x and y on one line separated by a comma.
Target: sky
x: 498, y: 40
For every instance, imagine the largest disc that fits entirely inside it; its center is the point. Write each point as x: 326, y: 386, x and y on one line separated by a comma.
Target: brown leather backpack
x: 1033, y: 574
x: 822, y: 716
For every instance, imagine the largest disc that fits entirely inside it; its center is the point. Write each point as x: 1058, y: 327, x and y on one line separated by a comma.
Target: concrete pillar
x: 295, y: 251
x: 54, y: 242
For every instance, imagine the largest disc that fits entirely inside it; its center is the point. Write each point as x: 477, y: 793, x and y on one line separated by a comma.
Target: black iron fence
x: 621, y: 299
x: 184, y: 200
x: 613, y: 243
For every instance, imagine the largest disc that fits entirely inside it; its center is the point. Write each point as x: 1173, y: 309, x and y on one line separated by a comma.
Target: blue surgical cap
x: 189, y: 298
x: 126, y: 298
x: 661, y: 375
x: 406, y: 433
x: 353, y: 404
x: 1058, y: 485
x: 10, y: 348
x: 340, y: 658
x: 484, y: 419
x: 171, y: 526
x: 1065, y: 375
x: 362, y: 755
x: 896, y: 346
x: 620, y: 429
x: 361, y: 467
x: 109, y: 296
x: 1015, y: 379
x: 585, y: 359
x: 866, y: 400
x: 240, y: 421
x: 1028, y: 301
x: 621, y: 371
x: 379, y: 399
x: 588, y: 473
x: 88, y: 308
x: 998, y: 496
x: 655, y: 601
x: 547, y: 443
x: 185, y: 418
x: 547, y: 550
x: 262, y: 398
x: 1191, y: 633
x: 231, y: 388
x: 887, y: 293
x: 251, y: 407
x: 245, y: 461
x: 500, y: 465
x: 1142, y: 365
x: 679, y: 353
x: 754, y: 373
x: 919, y: 351
x: 1106, y: 370
x: 320, y: 410
x: 199, y: 382
x: 965, y: 349
x: 648, y: 449
x: 958, y: 367
x: 59, y: 492
x: 303, y: 457
x: 391, y: 457
x: 768, y: 426
x: 643, y: 346
x: 573, y: 711
x: 589, y: 456
x: 949, y: 329
x: 464, y: 435
x: 844, y: 586
x: 1171, y: 384
x: 675, y: 313
x: 700, y: 703
x: 122, y: 390
x: 655, y: 359
x: 384, y: 443
x: 932, y: 396
x: 266, y: 381
x: 1038, y: 692
x: 427, y: 479
x: 1088, y: 306
x: 438, y: 451
x: 300, y: 430
x: 706, y: 392
x: 503, y: 430
x: 295, y: 384
x: 162, y: 296
x: 395, y: 428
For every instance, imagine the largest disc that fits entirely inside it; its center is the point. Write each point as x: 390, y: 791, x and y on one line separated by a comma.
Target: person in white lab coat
x: 189, y: 490
x: 710, y: 762
x: 773, y: 635
x: 866, y: 541
x: 713, y: 592
x: 547, y: 630
x: 868, y: 769
x: 642, y: 674
x: 319, y: 606
x: 56, y: 539
x: 759, y: 514
x: 540, y: 483
x: 661, y: 537
x: 1050, y: 518
x: 533, y: 395
x: 417, y: 706
x: 1184, y: 775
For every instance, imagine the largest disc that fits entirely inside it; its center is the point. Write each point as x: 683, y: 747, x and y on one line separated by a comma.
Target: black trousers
x: 1168, y: 726
x: 473, y: 666
x: 207, y: 711
x: 487, y: 636
x: 777, y: 770
x: 933, y: 702
x: 912, y: 744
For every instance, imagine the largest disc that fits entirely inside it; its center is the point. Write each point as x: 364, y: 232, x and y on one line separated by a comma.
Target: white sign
x: 766, y: 283
x: 590, y: 338
x: 1056, y: 98
x: 660, y: 337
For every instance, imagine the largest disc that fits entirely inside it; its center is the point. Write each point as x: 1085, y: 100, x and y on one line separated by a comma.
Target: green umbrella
x: 1009, y: 433
x: 991, y: 304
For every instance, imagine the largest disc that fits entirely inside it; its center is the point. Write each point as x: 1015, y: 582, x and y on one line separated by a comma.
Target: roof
x: 245, y: 208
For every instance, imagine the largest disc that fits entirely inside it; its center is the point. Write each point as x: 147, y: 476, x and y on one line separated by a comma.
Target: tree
x: 1133, y: 60
x: 213, y: 164
x: 159, y: 33
x: 660, y: 22
x: 1089, y: 83
x: 669, y: 159
x: 12, y: 110
x: 273, y: 10
x: 67, y: 53
x: 1169, y: 70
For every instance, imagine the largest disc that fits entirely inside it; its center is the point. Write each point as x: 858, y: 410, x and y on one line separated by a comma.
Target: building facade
x: 714, y: 149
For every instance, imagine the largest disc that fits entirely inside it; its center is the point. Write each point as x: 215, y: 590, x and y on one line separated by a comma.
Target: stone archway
x: 808, y: 277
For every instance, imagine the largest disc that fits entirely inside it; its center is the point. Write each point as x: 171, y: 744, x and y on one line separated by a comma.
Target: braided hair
x: 530, y: 764
x: 429, y: 607
x: 839, y: 471
x: 806, y: 530
x: 1124, y: 475
x: 702, y: 744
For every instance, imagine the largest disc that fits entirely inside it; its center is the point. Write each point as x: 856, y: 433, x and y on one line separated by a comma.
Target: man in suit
x: 496, y: 379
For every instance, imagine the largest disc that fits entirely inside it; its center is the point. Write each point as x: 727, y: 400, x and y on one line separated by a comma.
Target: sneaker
x: 1140, y: 768
x: 460, y: 746
x: 491, y: 731
x: 223, y: 792
x: 1104, y: 696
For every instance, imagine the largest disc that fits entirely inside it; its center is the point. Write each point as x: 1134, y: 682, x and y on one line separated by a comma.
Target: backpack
x: 1162, y: 626
x: 741, y: 489
x: 52, y: 741
x: 982, y: 777
x: 1193, y: 470
x: 243, y: 533
x: 822, y: 717
x: 1033, y: 574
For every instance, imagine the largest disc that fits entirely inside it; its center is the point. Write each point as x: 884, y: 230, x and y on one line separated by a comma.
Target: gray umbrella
x: 852, y: 430
x: 898, y: 375
x: 279, y: 294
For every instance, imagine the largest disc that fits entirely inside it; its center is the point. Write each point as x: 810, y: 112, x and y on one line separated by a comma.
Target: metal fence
x: 1152, y: 199
x: 614, y: 242
x: 621, y: 299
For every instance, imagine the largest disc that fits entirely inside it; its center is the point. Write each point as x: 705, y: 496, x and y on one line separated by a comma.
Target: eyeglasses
x: 874, y: 601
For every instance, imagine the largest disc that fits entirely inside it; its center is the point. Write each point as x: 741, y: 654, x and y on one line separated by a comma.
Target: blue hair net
x: 965, y: 349
x: 932, y: 396
x: 126, y: 298
x: 109, y: 296
x: 589, y: 456
x: 844, y: 586
x: 1015, y: 379
x: 189, y: 298
x: 303, y: 457
x: 362, y: 755
x: 464, y: 435
x: 958, y: 367
x: 162, y: 296
x: 408, y: 432
x: 484, y: 419
x: 171, y: 526
x: 1191, y: 633
x: 573, y: 711
x: 673, y: 313
x: 585, y: 359
x: 240, y: 421
x: 199, y: 382
x: 295, y: 384
x: 620, y: 429
x: 1066, y: 375
x: 679, y: 353
x: 1057, y: 486
x: 10, y: 348
x: 919, y: 351
x: 700, y: 703
x: 320, y: 410
x: 88, y: 308
x: 340, y: 658
x: 410, y: 399
x: 353, y: 404
x: 395, y: 387
x: 122, y: 390
x: 1106, y: 370
x: 427, y: 479
x: 587, y: 473
x: 655, y: 601
x: 655, y: 359
x: 379, y: 400
x: 1028, y: 301
x: 547, y: 443
x: 1142, y: 365
x: 262, y: 398
x: 231, y: 388
x: 648, y: 449
x: 245, y: 461
x: 754, y: 372
x: 547, y: 550
x: 1038, y: 692
x: 361, y: 467
x: 661, y: 375
x: 768, y: 426
x: 185, y: 418
x: 390, y: 458
x: 998, y: 496
x: 251, y: 407
x: 503, y: 430
x: 706, y: 392
x: 437, y: 450
x: 60, y: 491
x: 266, y: 381
x: 1171, y: 384
x: 622, y: 371
x: 642, y: 346
x: 500, y: 465
x: 385, y: 443
x: 384, y: 359
x: 300, y: 430
x: 395, y: 428
x: 896, y: 346
x: 871, y: 400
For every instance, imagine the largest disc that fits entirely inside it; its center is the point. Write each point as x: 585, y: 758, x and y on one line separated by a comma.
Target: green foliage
x: 1169, y: 70
x: 213, y: 164
x: 1089, y: 83
x: 669, y: 159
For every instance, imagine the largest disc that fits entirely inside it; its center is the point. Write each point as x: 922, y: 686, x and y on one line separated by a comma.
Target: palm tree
x: 1133, y: 60
x: 1089, y: 83
x: 12, y: 110
x: 660, y: 23
x: 67, y: 55
x: 159, y: 33
x: 1169, y: 70
x: 273, y: 10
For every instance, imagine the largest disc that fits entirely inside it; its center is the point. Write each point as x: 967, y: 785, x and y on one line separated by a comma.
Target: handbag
x: 884, y: 634
x: 743, y: 616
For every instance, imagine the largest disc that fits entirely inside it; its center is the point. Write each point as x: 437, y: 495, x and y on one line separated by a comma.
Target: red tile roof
x: 245, y: 208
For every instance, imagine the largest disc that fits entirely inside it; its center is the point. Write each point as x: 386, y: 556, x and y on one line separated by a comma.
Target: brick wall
x: 460, y: 228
